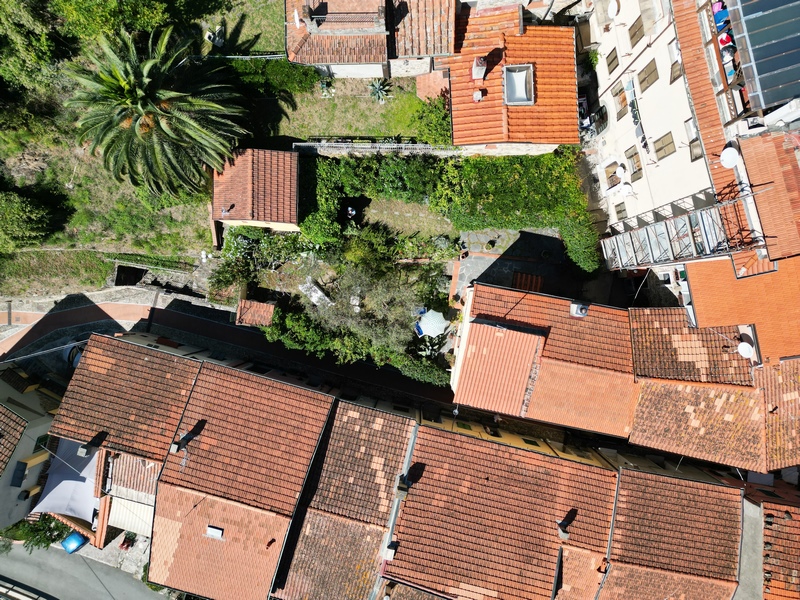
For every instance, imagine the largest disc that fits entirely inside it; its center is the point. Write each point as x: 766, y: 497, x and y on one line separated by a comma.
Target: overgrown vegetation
x: 514, y: 192
x: 433, y: 121
x: 36, y: 535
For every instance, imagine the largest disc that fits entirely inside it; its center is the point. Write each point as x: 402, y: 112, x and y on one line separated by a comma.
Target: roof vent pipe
x: 578, y: 310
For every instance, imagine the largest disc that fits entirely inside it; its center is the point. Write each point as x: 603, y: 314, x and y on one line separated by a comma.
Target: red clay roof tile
x: 774, y: 173
x: 133, y: 393
x: 497, y: 368
x: 257, y: 442
x: 333, y: 553
x: 581, y: 574
x: 12, y: 426
x: 717, y: 423
x: 527, y: 282
x: 240, y: 566
x: 363, y: 456
x: 256, y: 314
x: 552, y: 119
x: 667, y: 347
x: 600, y: 339
x: 781, y: 385
x: 584, y: 397
x: 424, y: 27
x: 628, y: 582
x: 260, y: 185
x: 781, y: 549
x: 677, y: 525
x: 769, y: 301
x: 483, y: 517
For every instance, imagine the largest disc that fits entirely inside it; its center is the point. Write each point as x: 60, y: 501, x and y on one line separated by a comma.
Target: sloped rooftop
x: 254, y: 439
x: 482, y: 517
x: 424, y: 27
x: 781, y: 549
x: 667, y: 347
x: 629, y: 582
x: 134, y: 394
x: 12, y: 426
x: 260, y: 185
x: 494, y: 33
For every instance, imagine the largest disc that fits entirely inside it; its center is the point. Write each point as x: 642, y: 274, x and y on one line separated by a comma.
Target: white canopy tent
x: 70, y: 484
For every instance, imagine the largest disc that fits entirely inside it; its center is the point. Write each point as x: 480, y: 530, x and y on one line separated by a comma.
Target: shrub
x: 22, y: 223
x: 422, y: 369
x: 269, y: 76
x: 379, y: 90
x: 432, y: 120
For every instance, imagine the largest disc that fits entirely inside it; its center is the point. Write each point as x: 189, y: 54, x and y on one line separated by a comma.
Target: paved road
x: 71, y: 577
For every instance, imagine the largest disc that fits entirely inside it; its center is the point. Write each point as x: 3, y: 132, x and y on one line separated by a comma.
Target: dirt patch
x: 408, y: 218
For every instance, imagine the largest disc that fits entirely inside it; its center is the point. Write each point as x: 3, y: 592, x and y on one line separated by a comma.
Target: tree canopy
x: 160, y: 119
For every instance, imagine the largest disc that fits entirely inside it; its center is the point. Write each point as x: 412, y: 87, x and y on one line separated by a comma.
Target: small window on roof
x: 531, y: 442
x: 461, y: 425
x: 214, y: 532
x: 769, y: 493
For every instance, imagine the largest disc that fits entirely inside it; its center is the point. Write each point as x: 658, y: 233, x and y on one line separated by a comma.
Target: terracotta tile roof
x: 747, y: 263
x: 717, y: 423
x: 498, y: 365
x: 580, y: 574
x: 133, y: 393
x: 363, y: 457
x: 134, y: 473
x: 527, y: 282
x: 666, y: 347
x: 627, y: 582
x: 12, y: 426
x: 583, y: 397
x: 260, y: 185
x: 701, y: 92
x: 552, y: 119
x: 482, y: 517
x: 600, y: 339
x: 781, y: 549
x: 250, y: 312
x: 677, y: 525
x: 424, y: 27
x: 334, y: 553
x: 241, y: 566
x: 404, y: 592
x: 330, y: 49
x: 431, y: 85
x: 257, y: 443
x: 769, y: 301
x: 774, y: 173
x: 781, y: 385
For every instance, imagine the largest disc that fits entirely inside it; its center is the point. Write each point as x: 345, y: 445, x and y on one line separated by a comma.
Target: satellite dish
x: 620, y: 171
x: 627, y: 189
x: 613, y: 9
x: 745, y: 350
x: 729, y: 157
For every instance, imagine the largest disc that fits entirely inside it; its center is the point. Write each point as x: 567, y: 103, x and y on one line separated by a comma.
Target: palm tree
x: 161, y: 119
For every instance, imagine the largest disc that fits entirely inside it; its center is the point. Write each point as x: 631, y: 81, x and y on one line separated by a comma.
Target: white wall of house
x: 365, y: 71
x: 663, y: 108
x: 12, y: 509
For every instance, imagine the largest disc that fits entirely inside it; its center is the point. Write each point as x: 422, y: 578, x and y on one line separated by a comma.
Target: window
x: 621, y: 211
x: 695, y: 150
x: 636, y: 32
x: 691, y: 130
x: 769, y: 493
x: 620, y: 99
x: 634, y: 163
x: 611, y: 175
x: 612, y: 60
x: 531, y: 442
x: 601, y: 120
x: 675, y: 59
x: 664, y: 146
x: 648, y: 76
x: 461, y: 425
x: 214, y: 532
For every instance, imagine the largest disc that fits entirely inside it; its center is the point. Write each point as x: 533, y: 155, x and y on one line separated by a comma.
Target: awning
x: 70, y: 484
x: 433, y: 324
x: 131, y: 516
